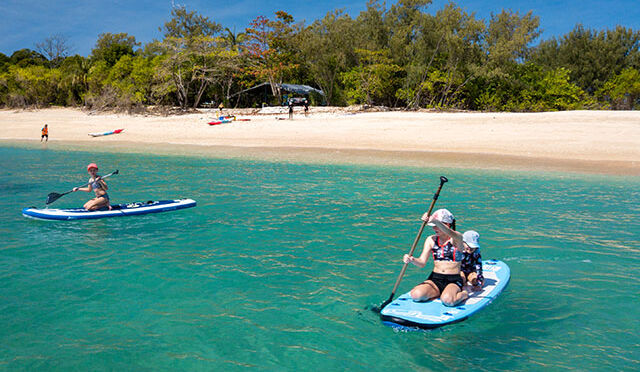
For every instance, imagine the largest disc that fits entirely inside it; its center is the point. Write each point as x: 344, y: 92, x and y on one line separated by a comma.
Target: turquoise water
x: 278, y: 265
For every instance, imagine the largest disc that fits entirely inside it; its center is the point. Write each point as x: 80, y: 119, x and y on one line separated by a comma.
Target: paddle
x: 55, y: 196
x: 443, y: 179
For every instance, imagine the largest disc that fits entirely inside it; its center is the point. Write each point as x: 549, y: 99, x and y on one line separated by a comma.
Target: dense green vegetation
x: 401, y: 56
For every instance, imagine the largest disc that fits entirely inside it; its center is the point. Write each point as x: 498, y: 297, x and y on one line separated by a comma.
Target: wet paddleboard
x: 118, y: 210
x: 404, y: 313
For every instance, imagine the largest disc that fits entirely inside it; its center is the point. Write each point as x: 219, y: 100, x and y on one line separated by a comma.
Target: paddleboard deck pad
x: 118, y: 210
x: 404, y: 313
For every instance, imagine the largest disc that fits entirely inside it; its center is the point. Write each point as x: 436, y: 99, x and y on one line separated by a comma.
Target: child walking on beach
x: 45, y: 133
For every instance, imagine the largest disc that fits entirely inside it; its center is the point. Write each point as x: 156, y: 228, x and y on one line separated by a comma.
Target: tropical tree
x: 402, y: 55
x: 27, y: 57
x: 55, y: 48
x: 593, y: 57
x: 371, y: 30
x: 233, y: 40
x: 448, y: 55
x: 328, y: 50
x: 31, y: 86
x: 623, y: 90
x: 4, y: 62
x: 532, y: 88
x: 74, y: 83
x: 508, y: 41
x: 111, y: 47
x: 404, y: 25
x: 191, y: 48
x: 270, y: 50
x: 374, y: 80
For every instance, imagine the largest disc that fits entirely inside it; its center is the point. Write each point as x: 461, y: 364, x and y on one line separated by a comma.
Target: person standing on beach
x: 220, y: 107
x: 97, y: 185
x: 306, y: 107
x: 45, y: 133
x: 290, y: 110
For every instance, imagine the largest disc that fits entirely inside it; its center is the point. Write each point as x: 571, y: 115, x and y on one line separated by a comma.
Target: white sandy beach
x: 589, y: 141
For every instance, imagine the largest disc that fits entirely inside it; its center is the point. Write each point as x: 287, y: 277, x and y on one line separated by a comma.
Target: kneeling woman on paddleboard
x: 446, y: 247
x: 97, y: 185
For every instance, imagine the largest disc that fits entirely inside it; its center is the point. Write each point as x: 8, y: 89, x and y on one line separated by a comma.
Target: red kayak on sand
x: 216, y: 122
x: 116, y: 131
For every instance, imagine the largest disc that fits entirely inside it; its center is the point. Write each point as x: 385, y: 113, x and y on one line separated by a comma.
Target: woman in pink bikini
x: 97, y: 185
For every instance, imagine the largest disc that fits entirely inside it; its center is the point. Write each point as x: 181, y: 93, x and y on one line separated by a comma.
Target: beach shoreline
x: 592, y: 142
x: 414, y: 159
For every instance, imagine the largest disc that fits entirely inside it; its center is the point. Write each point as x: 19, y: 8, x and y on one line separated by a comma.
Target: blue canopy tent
x: 264, y: 90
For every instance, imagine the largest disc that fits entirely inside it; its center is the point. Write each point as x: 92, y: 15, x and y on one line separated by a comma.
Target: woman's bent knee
x: 419, y: 294
x: 424, y: 292
x: 448, y: 300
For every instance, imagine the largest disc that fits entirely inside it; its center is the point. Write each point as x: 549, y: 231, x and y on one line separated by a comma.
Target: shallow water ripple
x: 278, y: 267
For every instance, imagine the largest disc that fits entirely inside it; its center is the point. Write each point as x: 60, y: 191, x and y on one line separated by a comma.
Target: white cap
x: 442, y: 215
x: 471, y: 238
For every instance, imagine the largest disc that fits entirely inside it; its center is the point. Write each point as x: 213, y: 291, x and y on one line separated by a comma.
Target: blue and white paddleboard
x: 118, y: 210
x: 405, y: 313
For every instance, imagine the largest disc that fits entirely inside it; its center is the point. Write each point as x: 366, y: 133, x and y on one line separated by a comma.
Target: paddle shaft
x: 443, y: 179
x: 53, y: 196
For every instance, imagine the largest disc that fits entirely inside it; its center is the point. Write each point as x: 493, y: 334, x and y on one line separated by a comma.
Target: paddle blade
x: 53, y: 197
x: 378, y: 308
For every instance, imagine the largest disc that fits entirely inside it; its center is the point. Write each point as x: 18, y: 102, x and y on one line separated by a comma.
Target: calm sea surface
x: 278, y: 265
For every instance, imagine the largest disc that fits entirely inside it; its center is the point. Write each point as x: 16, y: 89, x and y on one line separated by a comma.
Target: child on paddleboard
x: 472, y: 260
x: 97, y: 185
